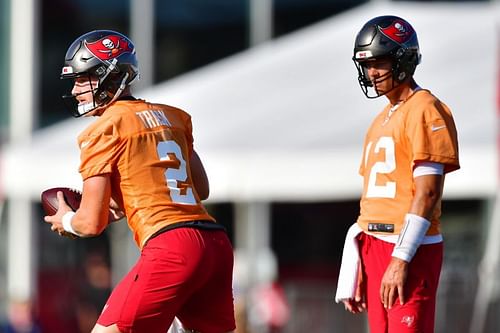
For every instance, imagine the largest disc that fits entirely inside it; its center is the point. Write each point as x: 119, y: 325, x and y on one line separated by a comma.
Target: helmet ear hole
x: 102, y: 97
x: 100, y: 71
x: 399, y: 53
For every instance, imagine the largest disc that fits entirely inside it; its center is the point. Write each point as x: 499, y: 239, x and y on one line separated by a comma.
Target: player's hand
x: 116, y: 213
x: 56, y: 219
x: 393, y: 282
x: 358, y: 304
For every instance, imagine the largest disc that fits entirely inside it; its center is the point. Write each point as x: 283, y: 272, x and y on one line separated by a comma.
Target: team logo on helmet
x: 109, y: 47
x: 399, y: 31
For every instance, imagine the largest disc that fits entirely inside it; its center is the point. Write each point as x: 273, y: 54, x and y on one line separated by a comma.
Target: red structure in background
x: 70, y: 298
x: 56, y: 301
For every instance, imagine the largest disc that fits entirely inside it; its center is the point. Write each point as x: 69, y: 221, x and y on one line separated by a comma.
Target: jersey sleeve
x: 433, y: 136
x: 98, y: 150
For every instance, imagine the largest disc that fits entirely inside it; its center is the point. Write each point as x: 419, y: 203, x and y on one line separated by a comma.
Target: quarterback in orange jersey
x: 137, y: 159
x: 393, y: 253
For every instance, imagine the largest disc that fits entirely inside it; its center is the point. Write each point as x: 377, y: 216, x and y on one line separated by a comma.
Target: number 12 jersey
x: 421, y: 129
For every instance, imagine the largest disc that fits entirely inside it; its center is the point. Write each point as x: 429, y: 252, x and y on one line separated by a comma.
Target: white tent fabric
x: 286, y: 120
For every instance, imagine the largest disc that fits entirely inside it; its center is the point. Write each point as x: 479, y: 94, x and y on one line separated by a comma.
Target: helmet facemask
x: 71, y: 101
x: 369, y: 87
x: 399, y: 73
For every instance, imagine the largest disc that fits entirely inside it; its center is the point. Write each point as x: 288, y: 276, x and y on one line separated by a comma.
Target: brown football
x: 50, y: 203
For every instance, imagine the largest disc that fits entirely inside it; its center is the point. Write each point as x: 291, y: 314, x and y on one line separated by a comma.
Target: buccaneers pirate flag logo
x: 109, y: 47
x: 399, y: 31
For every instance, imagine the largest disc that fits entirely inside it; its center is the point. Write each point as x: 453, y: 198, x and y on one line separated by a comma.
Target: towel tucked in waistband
x: 348, y: 276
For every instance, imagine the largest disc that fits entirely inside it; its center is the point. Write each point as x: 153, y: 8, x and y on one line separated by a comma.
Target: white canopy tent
x: 285, y: 121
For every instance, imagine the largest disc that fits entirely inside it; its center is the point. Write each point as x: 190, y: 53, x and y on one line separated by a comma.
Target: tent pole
x: 20, y: 251
x: 22, y: 104
x: 261, y: 21
x: 142, y: 27
x: 253, y: 242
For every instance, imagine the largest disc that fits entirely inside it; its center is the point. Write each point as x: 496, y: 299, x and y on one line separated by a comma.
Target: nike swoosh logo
x: 435, y: 128
x: 84, y: 144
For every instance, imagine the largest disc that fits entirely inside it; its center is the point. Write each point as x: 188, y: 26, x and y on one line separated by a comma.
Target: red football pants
x: 184, y: 272
x: 417, y: 314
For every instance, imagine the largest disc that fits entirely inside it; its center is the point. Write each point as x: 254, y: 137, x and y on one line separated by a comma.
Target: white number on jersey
x: 388, y: 190
x: 173, y: 176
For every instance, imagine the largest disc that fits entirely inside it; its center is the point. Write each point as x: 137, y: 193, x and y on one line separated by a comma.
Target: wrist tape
x: 411, y: 237
x: 66, y: 223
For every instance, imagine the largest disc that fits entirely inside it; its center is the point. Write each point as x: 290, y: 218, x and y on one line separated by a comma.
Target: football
x: 50, y: 203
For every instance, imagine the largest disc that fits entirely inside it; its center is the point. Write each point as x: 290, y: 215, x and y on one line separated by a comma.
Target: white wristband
x: 410, y: 237
x: 66, y: 223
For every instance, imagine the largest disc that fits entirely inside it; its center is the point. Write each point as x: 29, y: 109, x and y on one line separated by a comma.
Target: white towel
x: 348, y: 276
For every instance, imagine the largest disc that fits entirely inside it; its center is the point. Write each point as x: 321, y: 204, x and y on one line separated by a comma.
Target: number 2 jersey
x: 420, y: 129
x: 146, y: 149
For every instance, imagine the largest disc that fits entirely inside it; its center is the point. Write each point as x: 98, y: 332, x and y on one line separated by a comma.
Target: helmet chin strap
x: 383, y: 78
x: 396, y: 82
x: 119, y: 91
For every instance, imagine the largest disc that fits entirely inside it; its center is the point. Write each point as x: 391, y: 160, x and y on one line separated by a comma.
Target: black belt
x: 381, y: 227
x: 198, y: 224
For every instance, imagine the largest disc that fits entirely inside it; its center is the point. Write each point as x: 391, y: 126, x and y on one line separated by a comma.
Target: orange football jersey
x: 146, y: 149
x: 421, y: 129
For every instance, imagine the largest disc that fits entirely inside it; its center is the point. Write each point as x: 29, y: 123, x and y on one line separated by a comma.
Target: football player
x: 138, y: 156
x: 409, y: 147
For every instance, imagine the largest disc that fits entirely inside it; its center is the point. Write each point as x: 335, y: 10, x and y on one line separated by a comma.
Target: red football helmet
x: 386, y: 37
x: 107, y: 55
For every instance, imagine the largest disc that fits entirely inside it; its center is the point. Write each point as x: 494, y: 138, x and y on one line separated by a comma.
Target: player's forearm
x: 92, y: 217
x: 88, y: 224
x: 428, y: 191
